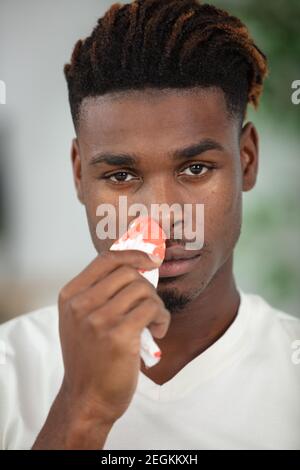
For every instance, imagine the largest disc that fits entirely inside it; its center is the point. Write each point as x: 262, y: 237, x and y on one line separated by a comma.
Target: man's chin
x: 178, y: 292
x: 174, y: 299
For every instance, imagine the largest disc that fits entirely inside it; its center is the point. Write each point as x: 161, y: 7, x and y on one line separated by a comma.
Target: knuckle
x: 93, y: 322
x: 77, y: 306
x: 63, y: 295
x: 129, y: 273
x: 159, y: 301
x: 138, y: 256
x: 158, y: 309
x: 145, y: 258
x: 143, y: 287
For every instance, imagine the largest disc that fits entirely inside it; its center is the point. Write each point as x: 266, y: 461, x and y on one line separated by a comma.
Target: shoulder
x: 269, y: 325
x: 37, y: 317
x: 37, y: 329
x: 31, y: 372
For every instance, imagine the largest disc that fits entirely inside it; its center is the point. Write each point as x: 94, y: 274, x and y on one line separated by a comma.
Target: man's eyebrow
x: 113, y: 159
x: 196, y: 149
x: 131, y: 159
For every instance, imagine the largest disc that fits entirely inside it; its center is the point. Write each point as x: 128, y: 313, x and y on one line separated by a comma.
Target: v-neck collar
x: 210, y: 362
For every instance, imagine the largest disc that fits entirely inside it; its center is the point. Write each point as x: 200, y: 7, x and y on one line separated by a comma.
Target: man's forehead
x: 153, y: 94
x: 138, y: 113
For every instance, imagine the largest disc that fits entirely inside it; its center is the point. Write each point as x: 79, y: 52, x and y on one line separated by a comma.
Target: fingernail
x: 155, y: 259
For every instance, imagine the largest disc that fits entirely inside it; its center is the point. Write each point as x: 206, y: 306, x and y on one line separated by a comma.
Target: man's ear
x: 249, y: 154
x: 76, y: 165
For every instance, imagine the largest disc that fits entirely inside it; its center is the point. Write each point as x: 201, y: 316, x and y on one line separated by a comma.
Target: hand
x: 102, y: 313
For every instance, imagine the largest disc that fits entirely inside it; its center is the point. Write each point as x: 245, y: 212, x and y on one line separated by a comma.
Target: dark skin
x: 141, y: 125
x: 103, y: 310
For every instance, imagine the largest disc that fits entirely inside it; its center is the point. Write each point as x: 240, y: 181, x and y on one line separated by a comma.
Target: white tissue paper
x: 137, y: 238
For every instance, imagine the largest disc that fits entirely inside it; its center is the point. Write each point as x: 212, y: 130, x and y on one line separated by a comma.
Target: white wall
x: 46, y: 234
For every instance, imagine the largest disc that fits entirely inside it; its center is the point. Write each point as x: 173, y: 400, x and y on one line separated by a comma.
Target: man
x: 158, y: 94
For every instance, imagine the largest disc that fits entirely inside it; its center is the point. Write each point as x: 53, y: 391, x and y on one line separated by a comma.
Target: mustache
x: 178, y: 242
x: 205, y: 250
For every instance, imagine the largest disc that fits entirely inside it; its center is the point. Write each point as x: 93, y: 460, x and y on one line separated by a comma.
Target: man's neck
x: 198, y: 326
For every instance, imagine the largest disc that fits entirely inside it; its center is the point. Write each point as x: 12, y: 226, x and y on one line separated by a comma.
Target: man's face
x: 151, y: 127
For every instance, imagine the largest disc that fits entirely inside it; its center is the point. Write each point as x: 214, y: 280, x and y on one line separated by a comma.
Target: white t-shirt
x: 243, y: 392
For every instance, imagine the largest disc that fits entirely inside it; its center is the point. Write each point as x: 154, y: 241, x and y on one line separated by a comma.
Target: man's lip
x: 175, y: 253
x: 176, y: 267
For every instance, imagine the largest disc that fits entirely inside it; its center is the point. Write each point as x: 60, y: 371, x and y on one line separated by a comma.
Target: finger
x: 113, y: 312
x: 129, y: 297
x: 104, y: 264
x: 148, y: 313
x: 114, y: 299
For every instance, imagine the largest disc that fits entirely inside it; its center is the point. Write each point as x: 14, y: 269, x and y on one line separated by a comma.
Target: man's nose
x: 165, y: 206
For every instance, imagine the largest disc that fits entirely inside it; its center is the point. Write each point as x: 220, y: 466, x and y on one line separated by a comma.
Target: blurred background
x: 44, y: 237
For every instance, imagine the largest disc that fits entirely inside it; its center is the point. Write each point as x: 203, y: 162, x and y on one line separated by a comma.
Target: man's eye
x: 195, y: 169
x: 119, y: 177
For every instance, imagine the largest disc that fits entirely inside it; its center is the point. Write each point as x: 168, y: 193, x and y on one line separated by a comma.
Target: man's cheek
x: 221, y: 215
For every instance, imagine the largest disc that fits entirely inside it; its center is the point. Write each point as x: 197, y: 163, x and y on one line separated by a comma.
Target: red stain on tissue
x: 146, y: 234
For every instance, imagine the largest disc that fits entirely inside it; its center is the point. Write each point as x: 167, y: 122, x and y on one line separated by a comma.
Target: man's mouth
x: 178, y: 261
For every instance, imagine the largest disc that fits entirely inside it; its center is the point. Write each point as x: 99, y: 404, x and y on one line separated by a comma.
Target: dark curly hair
x: 167, y: 44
